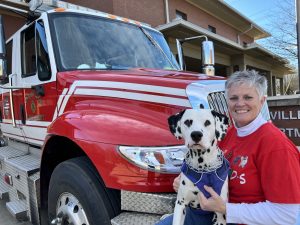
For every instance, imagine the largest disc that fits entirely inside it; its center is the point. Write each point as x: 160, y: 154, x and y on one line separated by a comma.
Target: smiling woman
x: 255, y: 149
x: 245, y: 97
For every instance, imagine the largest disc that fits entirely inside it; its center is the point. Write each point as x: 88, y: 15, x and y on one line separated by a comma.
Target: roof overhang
x: 230, y: 16
x: 261, y: 53
x: 182, y: 29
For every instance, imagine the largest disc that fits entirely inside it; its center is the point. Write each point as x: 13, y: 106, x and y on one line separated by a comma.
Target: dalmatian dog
x: 244, y: 160
x: 204, y: 163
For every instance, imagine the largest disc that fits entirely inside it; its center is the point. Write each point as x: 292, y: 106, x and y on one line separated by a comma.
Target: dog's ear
x: 222, y: 123
x: 174, y: 124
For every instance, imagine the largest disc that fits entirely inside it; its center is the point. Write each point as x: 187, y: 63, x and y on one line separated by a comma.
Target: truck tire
x: 77, y: 195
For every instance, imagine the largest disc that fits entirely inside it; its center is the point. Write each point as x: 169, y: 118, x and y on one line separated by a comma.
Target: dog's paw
x: 219, y: 219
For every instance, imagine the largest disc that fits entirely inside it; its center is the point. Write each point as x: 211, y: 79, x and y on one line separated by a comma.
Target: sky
x: 275, y: 17
x: 255, y: 10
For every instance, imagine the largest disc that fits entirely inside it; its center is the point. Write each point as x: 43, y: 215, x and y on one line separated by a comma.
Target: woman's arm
x: 262, y: 213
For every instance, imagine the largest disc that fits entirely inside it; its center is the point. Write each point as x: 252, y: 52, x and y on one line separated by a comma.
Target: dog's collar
x: 214, y: 179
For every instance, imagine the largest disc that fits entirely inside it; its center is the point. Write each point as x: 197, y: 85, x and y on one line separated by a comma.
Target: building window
x: 212, y: 29
x: 181, y: 15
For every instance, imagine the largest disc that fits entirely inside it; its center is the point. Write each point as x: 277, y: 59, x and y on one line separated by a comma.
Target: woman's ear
x: 263, y: 99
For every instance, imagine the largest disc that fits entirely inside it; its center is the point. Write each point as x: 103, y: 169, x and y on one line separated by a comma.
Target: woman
x: 265, y: 163
x: 264, y: 185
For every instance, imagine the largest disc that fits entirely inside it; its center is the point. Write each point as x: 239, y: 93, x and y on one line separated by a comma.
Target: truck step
x: 8, y: 152
x: 18, y: 209
x: 28, y: 163
x: 154, y: 203
x: 4, y: 189
x: 133, y: 218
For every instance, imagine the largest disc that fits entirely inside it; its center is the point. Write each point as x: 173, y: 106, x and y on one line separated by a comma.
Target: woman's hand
x: 176, y: 183
x: 215, y: 203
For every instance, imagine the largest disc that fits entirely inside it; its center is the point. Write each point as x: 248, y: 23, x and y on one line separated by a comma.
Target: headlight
x: 158, y: 159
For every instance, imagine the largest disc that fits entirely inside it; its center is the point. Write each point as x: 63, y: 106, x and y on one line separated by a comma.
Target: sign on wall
x: 287, y: 119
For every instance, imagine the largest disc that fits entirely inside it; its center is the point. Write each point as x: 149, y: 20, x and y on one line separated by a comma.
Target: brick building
x: 233, y: 34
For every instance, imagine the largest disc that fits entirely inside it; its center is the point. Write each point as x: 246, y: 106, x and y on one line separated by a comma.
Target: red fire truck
x: 85, y: 98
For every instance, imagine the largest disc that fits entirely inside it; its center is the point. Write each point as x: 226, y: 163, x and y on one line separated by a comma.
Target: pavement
x: 6, y: 218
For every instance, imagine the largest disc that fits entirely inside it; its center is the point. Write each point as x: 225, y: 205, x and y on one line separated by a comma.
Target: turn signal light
x: 8, y: 179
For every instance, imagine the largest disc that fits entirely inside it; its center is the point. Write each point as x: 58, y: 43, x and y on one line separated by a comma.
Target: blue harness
x: 214, y: 179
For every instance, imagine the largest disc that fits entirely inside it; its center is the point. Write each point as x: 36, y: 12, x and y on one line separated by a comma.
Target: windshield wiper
x: 153, y: 41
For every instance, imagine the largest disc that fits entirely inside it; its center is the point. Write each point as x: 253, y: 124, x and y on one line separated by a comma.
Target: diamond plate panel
x: 156, y: 203
x: 4, y: 189
x: 8, y: 152
x: 18, y: 209
x: 127, y: 218
x: 34, y: 197
x: 26, y: 163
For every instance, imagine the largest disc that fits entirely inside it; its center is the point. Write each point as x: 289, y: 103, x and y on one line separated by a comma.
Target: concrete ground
x: 6, y: 218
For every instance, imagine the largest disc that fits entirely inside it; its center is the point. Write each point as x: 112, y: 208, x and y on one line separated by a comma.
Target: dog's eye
x: 207, y: 123
x: 188, y: 123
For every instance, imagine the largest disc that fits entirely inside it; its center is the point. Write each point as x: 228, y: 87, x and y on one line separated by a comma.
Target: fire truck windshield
x: 84, y: 42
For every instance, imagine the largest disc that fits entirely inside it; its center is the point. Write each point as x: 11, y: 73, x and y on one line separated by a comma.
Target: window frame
x: 23, y: 75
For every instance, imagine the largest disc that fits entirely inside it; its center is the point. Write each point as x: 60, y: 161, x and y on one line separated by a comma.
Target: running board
x: 8, y: 152
x: 133, y: 218
x: 18, y: 209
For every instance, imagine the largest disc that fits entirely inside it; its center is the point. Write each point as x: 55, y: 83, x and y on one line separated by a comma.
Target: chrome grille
x: 217, y: 102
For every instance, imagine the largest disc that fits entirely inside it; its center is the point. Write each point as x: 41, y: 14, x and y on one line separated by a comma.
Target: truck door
x: 34, y: 106
x: 8, y: 115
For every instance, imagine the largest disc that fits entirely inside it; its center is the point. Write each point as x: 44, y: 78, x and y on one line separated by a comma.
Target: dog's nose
x: 196, y: 136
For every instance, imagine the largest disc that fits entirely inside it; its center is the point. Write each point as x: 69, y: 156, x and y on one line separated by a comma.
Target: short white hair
x: 248, y: 77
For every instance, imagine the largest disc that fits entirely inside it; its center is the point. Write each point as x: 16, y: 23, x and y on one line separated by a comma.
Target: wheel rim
x: 70, y: 211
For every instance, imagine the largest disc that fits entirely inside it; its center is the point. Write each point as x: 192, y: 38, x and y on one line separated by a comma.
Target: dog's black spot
x: 199, y: 152
x: 200, y: 167
x: 179, y: 130
x: 191, y: 153
x: 214, y: 219
x: 198, y: 206
x: 188, y: 123
x: 207, y: 123
x: 183, y: 211
x: 224, y: 216
x: 195, y: 192
x: 183, y: 182
x: 208, y: 150
x: 178, y: 202
x: 200, y: 160
x: 223, y: 136
x: 201, y: 106
x: 217, y: 134
x: 212, y: 143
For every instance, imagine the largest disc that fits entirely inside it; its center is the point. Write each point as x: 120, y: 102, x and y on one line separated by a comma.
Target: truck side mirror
x: 208, y: 58
x: 3, y: 74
